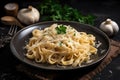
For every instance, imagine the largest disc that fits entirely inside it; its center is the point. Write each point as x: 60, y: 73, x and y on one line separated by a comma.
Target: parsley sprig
x: 61, y: 29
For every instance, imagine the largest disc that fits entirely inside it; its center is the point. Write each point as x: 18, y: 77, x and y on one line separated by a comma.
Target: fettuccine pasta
x: 60, y: 44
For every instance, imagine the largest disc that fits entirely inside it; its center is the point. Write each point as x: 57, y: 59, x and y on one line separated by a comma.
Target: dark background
x: 102, y: 9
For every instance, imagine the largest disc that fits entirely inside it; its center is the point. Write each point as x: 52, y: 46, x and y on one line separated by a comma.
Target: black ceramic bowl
x: 18, y: 43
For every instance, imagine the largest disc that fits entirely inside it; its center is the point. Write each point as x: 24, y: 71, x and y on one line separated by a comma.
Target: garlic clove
x: 115, y: 27
x: 28, y: 15
x: 108, y: 31
x: 110, y: 27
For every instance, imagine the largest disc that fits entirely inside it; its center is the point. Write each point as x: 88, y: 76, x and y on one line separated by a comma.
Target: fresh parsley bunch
x: 53, y: 10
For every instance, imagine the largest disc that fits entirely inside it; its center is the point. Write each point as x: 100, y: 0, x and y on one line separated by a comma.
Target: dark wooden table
x: 101, y: 9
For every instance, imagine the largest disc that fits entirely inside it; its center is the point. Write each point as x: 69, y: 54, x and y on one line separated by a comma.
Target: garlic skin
x: 110, y: 27
x: 28, y: 15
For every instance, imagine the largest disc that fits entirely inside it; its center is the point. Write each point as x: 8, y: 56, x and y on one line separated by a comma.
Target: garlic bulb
x: 28, y: 15
x: 110, y: 27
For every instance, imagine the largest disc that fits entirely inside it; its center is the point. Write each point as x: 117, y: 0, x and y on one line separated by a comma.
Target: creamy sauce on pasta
x: 60, y: 44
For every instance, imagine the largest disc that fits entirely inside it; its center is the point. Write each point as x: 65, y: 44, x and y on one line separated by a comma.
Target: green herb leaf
x: 61, y: 29
x: 74, y: 34
x: 60, y: 44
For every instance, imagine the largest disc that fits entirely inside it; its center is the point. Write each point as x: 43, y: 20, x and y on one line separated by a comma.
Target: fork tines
x: 12, y: 30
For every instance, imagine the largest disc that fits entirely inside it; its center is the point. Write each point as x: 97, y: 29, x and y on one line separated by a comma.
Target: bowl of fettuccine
x: 60, y: 45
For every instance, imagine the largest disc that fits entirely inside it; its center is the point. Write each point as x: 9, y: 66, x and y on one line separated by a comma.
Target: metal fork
x: 6, y: 39
x: 11, y: 32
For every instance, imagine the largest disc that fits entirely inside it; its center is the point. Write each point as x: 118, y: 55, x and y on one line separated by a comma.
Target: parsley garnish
x: 60, y: 44
x: 61, y: 29
x: 74, y: 34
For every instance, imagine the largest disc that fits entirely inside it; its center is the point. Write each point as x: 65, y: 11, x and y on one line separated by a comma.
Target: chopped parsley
x: 60, y: 44
x: 61, y: 29
x: 74, y: 34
